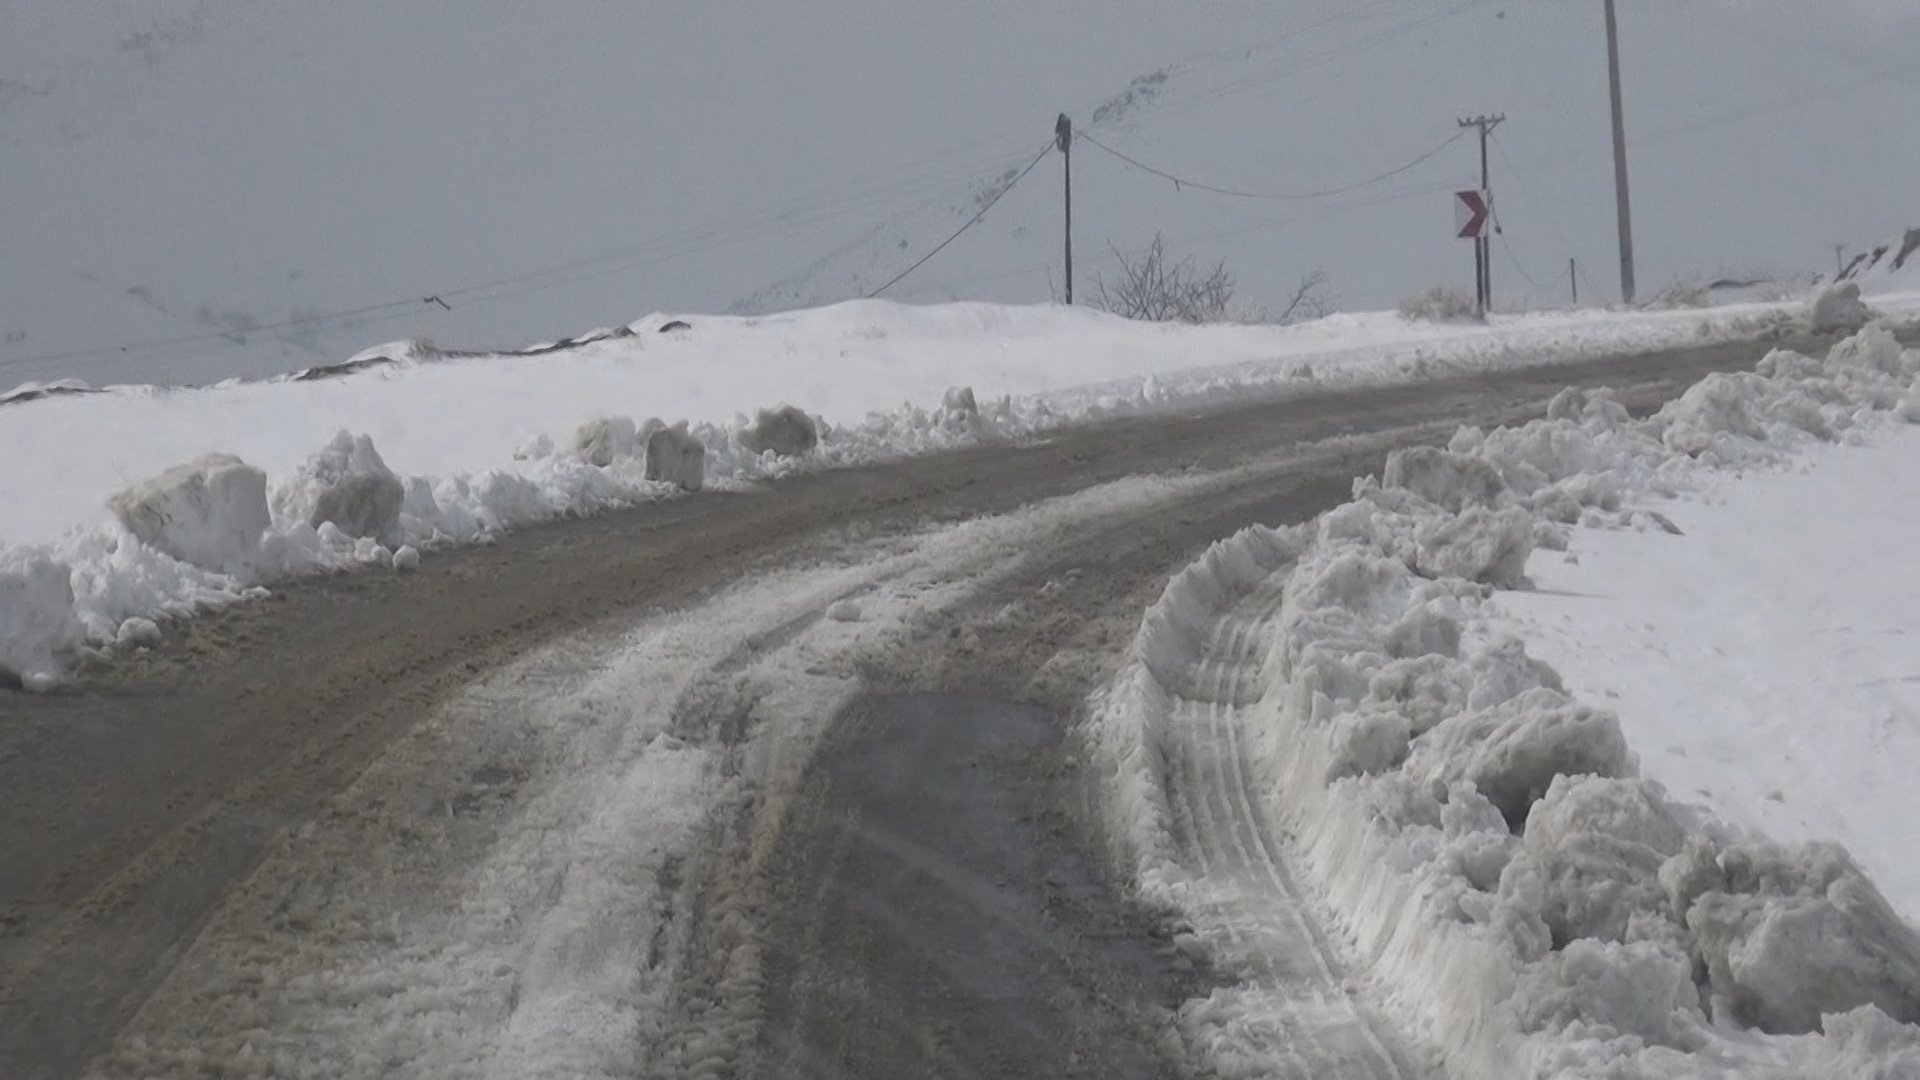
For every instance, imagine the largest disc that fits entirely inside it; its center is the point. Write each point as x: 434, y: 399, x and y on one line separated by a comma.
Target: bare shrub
x: 1152, y: 288
x: 1442, y: 303
x: 1308, y: 302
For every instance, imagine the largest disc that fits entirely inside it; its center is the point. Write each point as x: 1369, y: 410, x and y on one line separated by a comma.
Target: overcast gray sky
x: 180, y: 167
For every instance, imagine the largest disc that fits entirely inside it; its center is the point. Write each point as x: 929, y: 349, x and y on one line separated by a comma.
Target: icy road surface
x: 519, y: 813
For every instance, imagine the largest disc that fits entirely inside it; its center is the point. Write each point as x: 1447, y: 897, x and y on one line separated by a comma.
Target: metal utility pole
x: 1063, y: 137
x: 1620, y: 156
x: 1573, y: 275
x: 1483, y: 248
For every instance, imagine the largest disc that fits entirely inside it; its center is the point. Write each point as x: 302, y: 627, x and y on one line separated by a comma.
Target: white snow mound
x: 210, y: 512
x: 784, y: 432
x: 1839, y: 310
x: 676, y: 457
x: 600, y: 441
x: 37, y: 620
x: 346, y: 485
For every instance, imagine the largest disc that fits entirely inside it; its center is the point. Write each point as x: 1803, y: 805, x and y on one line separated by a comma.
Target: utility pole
x: 1483, y: 247
x: 1063, y: 137
x: 1620, y: 156
x: 1839, y: 260
x: 1573, y: 275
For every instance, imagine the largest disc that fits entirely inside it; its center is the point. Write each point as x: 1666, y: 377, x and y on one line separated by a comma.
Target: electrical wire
x: 1185, y: 182
x: 971, y: 222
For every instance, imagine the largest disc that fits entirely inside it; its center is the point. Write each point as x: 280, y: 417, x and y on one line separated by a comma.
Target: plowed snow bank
x: 1526, y: 901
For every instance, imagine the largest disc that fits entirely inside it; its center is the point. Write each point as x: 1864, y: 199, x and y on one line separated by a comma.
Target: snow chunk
x: 675, y: 457
x: 1486, y: 546
x: 844, y: 610
x: 1866, y: 1044
x: 1595, y: 407
x: 1634, y: 811
x: 1789, y: 934
x: 137, y: 632
x: 210, y: 512
x: 37, y: 620
x: 784, y: 432
x: 1839, y: 309
x: 1643, y: 991
x: 1875, y: 349
x: 406, y: 558
x: 1450, y: 481
x: 347, y: 485
x: 600, y: 441
x: 1512, y: 752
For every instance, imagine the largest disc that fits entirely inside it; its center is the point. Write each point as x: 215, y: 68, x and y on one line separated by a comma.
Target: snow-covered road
x: 420, y: 787
x: 538, y: 808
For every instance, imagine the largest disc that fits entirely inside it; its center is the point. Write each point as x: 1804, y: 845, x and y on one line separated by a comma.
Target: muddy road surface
x: 895, y: 899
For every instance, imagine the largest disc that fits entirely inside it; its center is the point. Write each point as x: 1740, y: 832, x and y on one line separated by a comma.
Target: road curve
x: 133, y: 803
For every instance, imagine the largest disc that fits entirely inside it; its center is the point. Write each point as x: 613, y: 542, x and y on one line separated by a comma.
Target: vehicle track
x: 1250, y: 901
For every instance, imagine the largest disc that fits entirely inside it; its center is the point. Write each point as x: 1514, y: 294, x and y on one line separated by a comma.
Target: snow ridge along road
x: 140, y: 803
x: 434, y: 449
x: 1525, y: 901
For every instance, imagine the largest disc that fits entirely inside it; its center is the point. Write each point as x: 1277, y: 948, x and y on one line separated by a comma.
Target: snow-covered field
x: 435, y: 448
x: 1527, y: 883
x: 1764, y: 663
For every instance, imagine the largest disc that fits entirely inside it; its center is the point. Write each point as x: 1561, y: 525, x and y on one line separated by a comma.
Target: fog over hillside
x: 192, y: 190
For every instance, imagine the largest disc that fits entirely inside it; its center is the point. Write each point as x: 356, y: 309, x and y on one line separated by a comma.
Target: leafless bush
x: 1308, y: 302
x: 1442, y: 303
x: 1152, y: 288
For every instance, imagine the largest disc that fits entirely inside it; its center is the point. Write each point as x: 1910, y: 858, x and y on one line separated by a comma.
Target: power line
x: 1174, y: 104
x: 1527, y: 190
x: 971, y: 222
x: 1185, y: 182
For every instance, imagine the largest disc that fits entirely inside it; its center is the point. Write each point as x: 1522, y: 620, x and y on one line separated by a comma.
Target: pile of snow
x: 37, y: 620
x: 783, y: 432
x: 430, y: 447
x: 210, y: 512
x: 1839, y: 310
x: 675, y: 457
x: 1536, y: 906
x: 347, y: 486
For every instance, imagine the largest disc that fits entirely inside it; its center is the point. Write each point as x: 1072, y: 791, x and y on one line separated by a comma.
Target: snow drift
x: 413, y: 446
x: 1535, y: 907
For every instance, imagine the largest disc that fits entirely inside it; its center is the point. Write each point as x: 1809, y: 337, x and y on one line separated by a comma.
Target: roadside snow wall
x: 1536, y: 908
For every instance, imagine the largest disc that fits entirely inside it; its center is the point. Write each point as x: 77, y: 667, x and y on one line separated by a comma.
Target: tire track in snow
x: 1312, y: 1026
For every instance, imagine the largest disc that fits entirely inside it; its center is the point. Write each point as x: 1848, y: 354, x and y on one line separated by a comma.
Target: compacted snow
x: 408, y: 446
x: 1519, y: 888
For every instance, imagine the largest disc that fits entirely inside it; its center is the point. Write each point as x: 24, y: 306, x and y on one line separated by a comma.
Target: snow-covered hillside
x: 197, y: 187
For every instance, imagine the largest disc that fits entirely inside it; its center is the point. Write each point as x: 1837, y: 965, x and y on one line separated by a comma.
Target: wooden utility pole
x: 1620, y: 156
x: 1573, y: 275
x: 1483, y: 247
x: 1063, y: 137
